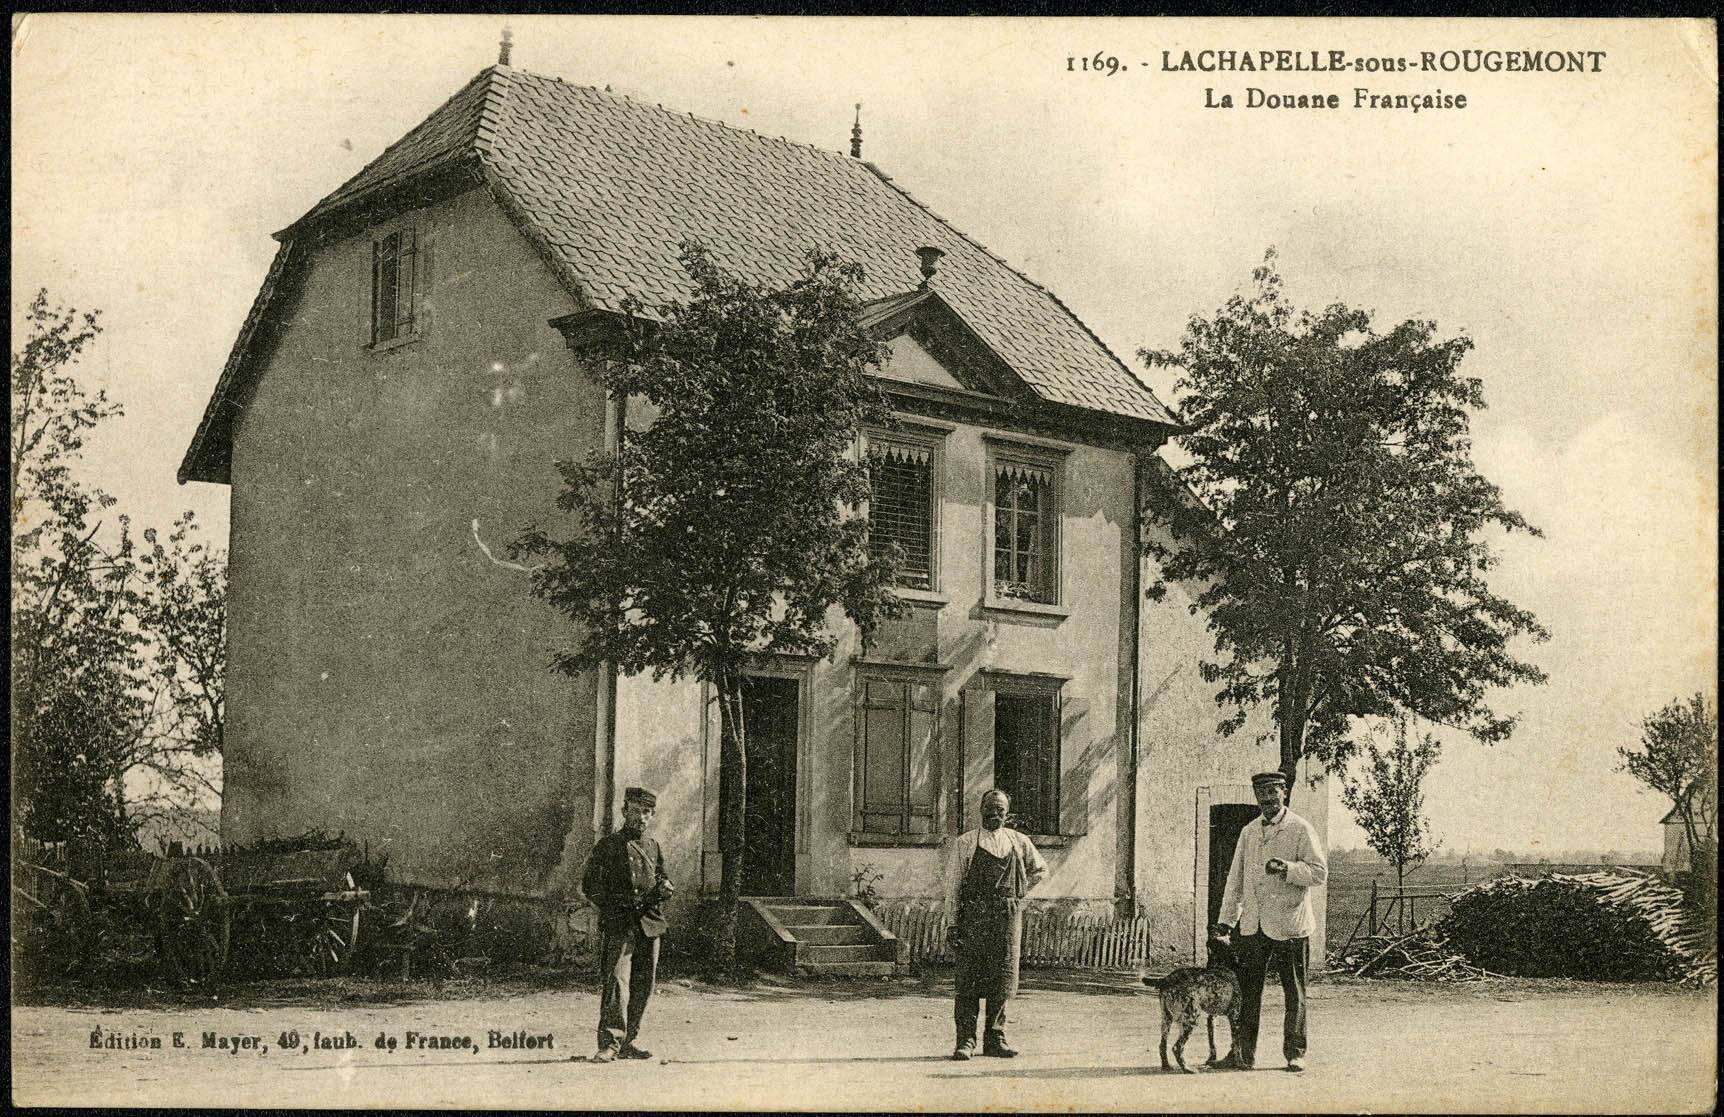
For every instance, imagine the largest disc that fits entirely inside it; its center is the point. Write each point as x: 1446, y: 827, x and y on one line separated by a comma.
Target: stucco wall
x: 669, y: 738
x: 1185, y: 766
x: 386, y: 677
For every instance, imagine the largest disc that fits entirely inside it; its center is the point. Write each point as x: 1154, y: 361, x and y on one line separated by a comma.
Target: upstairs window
x: 1026, y: 530
x: 393, y: 266
x: 901, y: 509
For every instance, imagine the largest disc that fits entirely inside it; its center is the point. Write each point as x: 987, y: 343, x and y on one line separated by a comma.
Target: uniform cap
x: 640, y: 795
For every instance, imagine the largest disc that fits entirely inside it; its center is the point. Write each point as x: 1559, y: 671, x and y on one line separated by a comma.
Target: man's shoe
x: 1296, y: 1064
x: 1232, y: 1062
x: 964, y: 1051
x: 630, y: 1051
x: 999, y: 1051
x: 604, y: 1055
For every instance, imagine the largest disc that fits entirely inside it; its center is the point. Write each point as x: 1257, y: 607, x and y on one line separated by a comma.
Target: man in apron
x: 990, y: 871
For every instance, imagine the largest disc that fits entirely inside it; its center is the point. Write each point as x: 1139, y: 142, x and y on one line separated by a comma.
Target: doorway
x: 1226, y: 820
x: 771, y: 711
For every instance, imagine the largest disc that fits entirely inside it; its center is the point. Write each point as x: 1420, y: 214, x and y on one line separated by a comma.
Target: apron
x: 991, y: 919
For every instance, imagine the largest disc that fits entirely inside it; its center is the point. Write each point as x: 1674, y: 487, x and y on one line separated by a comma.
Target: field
x: 1350, y: 890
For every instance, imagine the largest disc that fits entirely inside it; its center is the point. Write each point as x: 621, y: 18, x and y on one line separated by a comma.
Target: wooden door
x: 1226, y: 820
x: 772, y: 715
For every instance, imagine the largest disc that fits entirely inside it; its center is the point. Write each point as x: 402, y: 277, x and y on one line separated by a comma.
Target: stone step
x: 864, y: 952
x: 805, y: 915
x: 848, y: 969
x: 832, y: 934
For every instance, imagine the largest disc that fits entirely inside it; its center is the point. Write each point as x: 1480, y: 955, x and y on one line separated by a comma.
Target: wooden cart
x: 277, y: 906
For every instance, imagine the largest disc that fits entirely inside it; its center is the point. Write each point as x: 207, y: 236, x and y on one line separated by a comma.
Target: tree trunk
x: 732, y: 817
x: 1290, y: 716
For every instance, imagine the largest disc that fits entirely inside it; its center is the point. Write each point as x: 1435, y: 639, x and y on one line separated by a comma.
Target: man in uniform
x: 626, y: 881
x: 989, y: 872
x: 1276, y: 863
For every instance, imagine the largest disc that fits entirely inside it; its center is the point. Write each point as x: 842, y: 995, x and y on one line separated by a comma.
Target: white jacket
x: 1278, y: 906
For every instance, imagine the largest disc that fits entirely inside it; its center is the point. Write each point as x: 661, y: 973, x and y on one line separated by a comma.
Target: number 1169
x: 1098, y: 63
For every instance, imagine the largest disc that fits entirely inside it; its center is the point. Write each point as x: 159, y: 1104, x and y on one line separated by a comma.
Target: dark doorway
x: 770, y: 711
x: 1226, y: 820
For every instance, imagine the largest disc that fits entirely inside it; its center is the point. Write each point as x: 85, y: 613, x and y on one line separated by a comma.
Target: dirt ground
x: 1087, y: 1043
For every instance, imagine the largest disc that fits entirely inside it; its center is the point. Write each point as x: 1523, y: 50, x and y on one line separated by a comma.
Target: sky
x: 1565, y: 222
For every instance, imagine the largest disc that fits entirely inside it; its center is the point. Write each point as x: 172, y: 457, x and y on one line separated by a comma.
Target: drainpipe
x: 1135, y: 580
x: 620, y: 416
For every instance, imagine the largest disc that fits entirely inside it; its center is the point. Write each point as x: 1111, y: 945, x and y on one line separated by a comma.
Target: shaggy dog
x: 1208, y: 991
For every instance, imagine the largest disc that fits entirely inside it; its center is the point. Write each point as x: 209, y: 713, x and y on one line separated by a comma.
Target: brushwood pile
x: 1604, y: 926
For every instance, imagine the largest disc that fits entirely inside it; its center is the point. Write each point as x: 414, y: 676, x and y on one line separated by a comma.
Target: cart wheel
x: 329, y: 934
x: 193, y: 924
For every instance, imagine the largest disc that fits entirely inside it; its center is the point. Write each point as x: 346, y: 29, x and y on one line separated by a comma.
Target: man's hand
x: 1276, y: 867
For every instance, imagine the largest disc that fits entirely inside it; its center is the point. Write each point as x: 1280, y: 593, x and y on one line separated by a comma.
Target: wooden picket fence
x: 1052, y: 937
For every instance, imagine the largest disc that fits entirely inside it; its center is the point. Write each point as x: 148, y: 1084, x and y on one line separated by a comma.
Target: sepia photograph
x: 864, y: 563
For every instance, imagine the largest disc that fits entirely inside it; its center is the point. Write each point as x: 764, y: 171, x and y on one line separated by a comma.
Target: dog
x: 1207, y: 991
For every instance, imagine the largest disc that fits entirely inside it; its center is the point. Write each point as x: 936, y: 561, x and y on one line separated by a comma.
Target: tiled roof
x: 615, y: 185
x: 609, y: 188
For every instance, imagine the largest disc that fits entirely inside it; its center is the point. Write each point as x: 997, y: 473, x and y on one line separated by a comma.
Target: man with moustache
x: 988, y: 873
x: 1276, y: 863
x: 626, y: 881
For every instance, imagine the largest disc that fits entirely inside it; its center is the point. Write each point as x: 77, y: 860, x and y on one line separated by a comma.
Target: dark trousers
x: 1255, y: 954
x: 628, y: 963
x: 964, y: 1013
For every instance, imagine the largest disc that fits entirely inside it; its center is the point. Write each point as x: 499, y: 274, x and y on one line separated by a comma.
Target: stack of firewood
x: 1598, y: 926
x: 1422, y: 955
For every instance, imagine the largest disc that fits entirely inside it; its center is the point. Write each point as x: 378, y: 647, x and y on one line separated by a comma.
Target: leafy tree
x: 1678, y: 758
x: 182, y: 611
x: 733, y: 541
x: 116, y: 650
x: 1335, y: 532
x: 74, y: 654
x: 1388, y: 800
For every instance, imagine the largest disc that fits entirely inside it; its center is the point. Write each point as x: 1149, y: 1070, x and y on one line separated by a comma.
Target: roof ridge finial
x: 856, y: 134
x: 503, y: 46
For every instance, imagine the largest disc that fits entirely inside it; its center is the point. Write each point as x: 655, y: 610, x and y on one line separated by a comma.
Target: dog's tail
x: 1154, y: 981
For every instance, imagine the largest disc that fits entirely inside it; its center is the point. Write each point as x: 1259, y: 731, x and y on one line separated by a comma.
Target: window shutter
x: 977, y: 775
x: 924, y: 741
x: 1074, y: 792
x: 882, y: 756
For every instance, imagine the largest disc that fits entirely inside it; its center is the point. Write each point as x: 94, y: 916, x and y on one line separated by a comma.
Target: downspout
x: 1135, y: 581
x: 620, y: 416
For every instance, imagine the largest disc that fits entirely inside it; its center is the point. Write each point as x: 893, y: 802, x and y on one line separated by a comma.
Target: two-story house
x: 389, y: 418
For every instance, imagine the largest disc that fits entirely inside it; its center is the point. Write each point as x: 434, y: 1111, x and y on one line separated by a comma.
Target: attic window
x: 393, y: 261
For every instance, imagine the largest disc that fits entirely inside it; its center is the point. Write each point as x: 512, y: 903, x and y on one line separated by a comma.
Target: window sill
x: 1025, y: 608
x: 857, y: 838
x: 921, y: 597
x: 1052, y: 841
x: 393, y: 343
